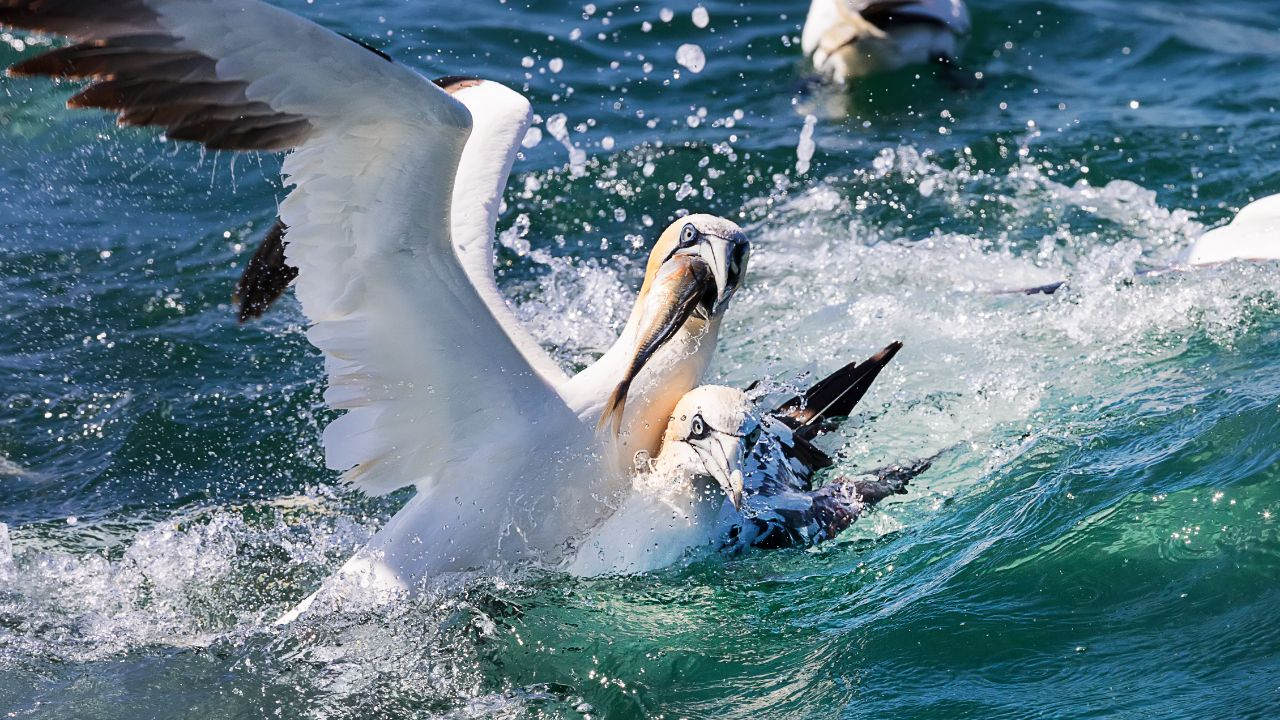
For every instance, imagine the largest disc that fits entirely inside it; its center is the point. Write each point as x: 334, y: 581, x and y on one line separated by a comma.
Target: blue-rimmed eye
x: 688, y: 235
x: 697, y: 428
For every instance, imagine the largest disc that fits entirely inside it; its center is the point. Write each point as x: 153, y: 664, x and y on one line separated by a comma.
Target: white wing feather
x: 420, y: 364
x: 500, y: 118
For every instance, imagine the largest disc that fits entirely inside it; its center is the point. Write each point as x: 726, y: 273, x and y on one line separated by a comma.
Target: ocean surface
x: 1098, y: 539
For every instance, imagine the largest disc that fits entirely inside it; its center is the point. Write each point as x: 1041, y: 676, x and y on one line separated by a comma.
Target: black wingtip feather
x: 266, y: 276
x: 836, y: 395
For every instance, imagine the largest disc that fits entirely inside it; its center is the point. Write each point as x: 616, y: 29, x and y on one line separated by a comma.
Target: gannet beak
x: 733, y: 489
x: 685, y: 284
x: 727, y: 258
x: 723, y: 457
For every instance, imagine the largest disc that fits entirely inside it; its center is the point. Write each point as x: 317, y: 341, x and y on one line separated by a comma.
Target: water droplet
x: 691, y: 57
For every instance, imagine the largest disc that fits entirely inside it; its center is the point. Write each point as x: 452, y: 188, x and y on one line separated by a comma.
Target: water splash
x: 691, y: 57
x: 806, y: 146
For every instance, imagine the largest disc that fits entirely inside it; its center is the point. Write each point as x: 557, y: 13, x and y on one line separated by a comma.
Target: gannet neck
x: 674, y: 370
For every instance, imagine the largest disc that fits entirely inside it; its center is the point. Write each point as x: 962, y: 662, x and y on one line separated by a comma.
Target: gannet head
x: 710, y: 432
x: 718, y: 243
x: 693, y: 271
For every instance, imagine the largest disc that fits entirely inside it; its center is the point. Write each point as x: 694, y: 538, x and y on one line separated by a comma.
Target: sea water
x: 1098, y: 537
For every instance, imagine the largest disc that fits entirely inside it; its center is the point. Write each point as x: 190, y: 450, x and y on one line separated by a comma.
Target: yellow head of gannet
x: 693, y: 271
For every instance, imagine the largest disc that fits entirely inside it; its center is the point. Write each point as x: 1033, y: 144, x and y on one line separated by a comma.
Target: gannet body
x: 1254, y: 234
x: 847, y: 39
x: 729, y: 476
x: 441, y: 388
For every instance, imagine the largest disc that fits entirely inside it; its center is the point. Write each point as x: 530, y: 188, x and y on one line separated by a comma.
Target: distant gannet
x: 1254, y: 234
x: 441, y: 390
x: 730, y: 476
x: 848, y: 39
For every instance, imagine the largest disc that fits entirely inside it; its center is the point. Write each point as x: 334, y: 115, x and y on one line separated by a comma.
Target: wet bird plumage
x: 378, y: 152
x: 730, y: 475
x: 848, y: 39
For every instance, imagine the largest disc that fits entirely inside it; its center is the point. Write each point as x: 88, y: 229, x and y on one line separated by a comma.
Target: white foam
x: 978, y: 371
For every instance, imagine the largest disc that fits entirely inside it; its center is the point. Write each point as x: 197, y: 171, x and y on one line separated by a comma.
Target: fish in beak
x: 684, y: 285
x: 725, y: 253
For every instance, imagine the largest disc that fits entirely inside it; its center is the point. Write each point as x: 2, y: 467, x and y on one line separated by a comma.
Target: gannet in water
x: 1253, y: 235
x: 481, y: 177
x: 848, y: 39
x: 441, y: 389
x: 730, y: 475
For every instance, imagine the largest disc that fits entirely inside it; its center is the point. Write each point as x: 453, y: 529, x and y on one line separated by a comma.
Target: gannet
x: 1253, y: 235
x: 440, y: 389
x: 682, y: 358
x: 848, y: 39
x: 731, y: 475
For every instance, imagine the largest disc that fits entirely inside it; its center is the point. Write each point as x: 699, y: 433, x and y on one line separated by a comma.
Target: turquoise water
x: 1098, y: 539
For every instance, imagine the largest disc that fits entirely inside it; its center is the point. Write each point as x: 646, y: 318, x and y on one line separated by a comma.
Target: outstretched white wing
x: 500, y: 117
x: 414, y: 356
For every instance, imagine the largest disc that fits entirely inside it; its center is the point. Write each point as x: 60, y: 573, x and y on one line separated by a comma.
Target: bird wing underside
x: 423, y: 370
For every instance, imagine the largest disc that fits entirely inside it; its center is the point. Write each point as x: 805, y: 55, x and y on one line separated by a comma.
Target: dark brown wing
x: 143, y: 74
x: 266, y: 276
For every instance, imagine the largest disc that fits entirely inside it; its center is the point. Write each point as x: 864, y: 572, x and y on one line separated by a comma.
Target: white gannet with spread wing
x: 441, y: 389
x: 848, y: 39
x: 731, y: 475
x: 667, y: 369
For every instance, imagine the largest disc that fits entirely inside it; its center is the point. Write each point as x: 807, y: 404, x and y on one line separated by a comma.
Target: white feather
x: 1254, y: 234
x: 436, y: 390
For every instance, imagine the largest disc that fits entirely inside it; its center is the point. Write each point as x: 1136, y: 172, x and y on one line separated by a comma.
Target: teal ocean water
x: 1098, y: 539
